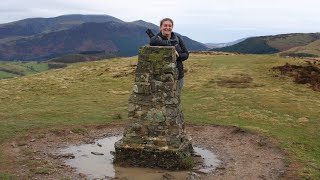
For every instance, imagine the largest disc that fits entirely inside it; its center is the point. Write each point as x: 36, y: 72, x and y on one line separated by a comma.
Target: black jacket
x: 177, y: 42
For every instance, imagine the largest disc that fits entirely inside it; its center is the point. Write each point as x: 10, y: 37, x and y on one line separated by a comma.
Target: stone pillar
x: 155, y: 135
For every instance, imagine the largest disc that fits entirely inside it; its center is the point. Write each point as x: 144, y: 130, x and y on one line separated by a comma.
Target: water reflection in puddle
x: 101, y: 166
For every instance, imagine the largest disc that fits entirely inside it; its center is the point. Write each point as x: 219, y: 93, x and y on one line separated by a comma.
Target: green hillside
x: 16, y: 69
x: 75, y: 58
x: 271, y: 44
x: 250, y: 46
x: 312, y: 49
x: 236, y: 90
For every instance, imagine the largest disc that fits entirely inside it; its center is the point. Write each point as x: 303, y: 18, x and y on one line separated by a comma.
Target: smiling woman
x: 166, y: 37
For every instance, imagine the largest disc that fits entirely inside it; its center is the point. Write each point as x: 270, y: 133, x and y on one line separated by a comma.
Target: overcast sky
x: 201, y: 20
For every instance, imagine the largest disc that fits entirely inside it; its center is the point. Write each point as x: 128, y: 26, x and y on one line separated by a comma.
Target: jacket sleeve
x: 184, y: 54
x: 157, y: 41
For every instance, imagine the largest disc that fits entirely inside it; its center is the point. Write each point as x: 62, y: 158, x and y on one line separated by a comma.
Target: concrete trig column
x: 155, y: 135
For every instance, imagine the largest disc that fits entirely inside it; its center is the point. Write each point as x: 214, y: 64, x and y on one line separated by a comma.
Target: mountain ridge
x: 63, y: 36
x: 33, y: 26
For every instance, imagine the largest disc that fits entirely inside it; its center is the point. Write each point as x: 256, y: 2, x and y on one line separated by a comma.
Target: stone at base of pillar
x: 146, y: 156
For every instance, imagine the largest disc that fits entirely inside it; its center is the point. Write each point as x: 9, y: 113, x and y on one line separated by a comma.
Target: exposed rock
x: 97, y: 153
x: 68, y: 156
x: 167, y: 176
x: 202, y: 171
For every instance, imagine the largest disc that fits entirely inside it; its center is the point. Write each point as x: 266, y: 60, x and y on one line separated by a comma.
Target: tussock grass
x: 91, y: 93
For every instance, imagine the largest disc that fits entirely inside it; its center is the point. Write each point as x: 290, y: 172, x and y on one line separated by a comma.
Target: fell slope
x: 312, y: 49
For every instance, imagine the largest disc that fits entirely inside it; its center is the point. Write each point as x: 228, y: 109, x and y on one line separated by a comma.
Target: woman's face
x: 166, y: 28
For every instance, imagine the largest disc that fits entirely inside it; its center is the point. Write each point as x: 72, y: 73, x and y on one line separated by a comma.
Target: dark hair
x: 166, y: 19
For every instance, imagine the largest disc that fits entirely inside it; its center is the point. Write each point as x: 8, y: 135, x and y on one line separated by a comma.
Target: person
x: 166, y: 37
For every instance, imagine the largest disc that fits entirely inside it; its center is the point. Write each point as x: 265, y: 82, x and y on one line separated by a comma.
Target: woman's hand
x: 177, y: 54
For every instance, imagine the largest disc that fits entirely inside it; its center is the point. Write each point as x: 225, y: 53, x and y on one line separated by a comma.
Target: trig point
x: 155, y: 135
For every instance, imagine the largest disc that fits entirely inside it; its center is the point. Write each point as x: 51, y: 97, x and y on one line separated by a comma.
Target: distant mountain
x: 146, y: 24
x: 33, y: 26
x: 220, y: 45
x: 45, y: 38
x: 271, y: 44
x: 215, y: 45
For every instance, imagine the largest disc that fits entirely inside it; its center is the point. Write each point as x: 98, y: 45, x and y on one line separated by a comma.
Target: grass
x: 78, y: 130
x: 91, y: 93
x: 289, y: 41
x: 186, y: 163
x: 9, y: 69
x: 312, y: 48
x: 41, y: 170
x: 5, y: 75
x: 5, y: 176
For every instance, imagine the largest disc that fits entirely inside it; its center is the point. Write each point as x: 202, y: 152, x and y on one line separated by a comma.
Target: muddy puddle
x: 95, y: 161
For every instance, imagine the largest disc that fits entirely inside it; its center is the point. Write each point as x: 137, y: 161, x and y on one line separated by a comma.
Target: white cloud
x: 202, y: 20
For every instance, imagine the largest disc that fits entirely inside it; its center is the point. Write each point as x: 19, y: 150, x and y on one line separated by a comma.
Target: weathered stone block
x: 169, y: 67
x: 156, y: 86
x: 172, y: 112
x: 144, y: 67
x: 141, y: 99
x: 171, y: 101
x: 168, y: 58
x: 158, y: 98
x: 147, y: 156
x: 142, y: 88
x: 169, y: 86
x: 156, y: 115
x: 157, y: 67
x: 168, y: 78
x: 143, y: 77
x: 157, y: 53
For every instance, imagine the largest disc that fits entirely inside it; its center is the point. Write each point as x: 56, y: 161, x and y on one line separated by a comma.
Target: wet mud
x: 96, y: 161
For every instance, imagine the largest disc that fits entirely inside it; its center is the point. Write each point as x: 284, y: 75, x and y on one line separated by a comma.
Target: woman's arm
x: 157, y: 41
x: 184, y: 54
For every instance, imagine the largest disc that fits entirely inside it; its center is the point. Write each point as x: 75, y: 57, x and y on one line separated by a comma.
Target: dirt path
x: 244, y: 155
